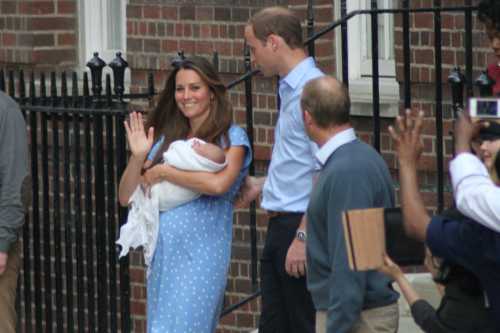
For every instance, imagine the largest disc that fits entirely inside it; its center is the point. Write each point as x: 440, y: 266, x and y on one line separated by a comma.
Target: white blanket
x: 143, y: 219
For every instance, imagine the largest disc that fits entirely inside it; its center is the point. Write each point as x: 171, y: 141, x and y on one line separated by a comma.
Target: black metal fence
x: 71, y: 279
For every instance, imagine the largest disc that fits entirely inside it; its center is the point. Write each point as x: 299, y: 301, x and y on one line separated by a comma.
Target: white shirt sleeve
x: 475, y: 193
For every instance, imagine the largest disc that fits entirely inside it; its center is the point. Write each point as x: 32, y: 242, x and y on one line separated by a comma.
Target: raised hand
x: 465, y: 131
x: 407, y: 137
x: 139, y: 142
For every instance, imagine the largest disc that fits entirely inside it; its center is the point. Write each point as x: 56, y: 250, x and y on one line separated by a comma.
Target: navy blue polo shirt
x: 472, y: 246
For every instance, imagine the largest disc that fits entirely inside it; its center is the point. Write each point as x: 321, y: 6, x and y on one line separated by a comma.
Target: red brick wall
x: 38, y: 33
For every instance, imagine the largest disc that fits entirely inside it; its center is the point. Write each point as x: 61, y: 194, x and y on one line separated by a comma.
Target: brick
x: 240, y: 14
x: 52, y: 23
x: 170, y: 45
x: 424, y: 20
x: 188, y: 46
x: 204, y: 14
x: 151, y: 29
x: 169, y: 13
x: 187, y: 13
x: 25, y: 39
x: 8, y: 39
x: 38, y: 8
x: 8, y: 7
x: 54, y: 56
x: 423, y: 56
x: 66, y: 7
x: 151, y: 12
x: 134, y: 11
x: 134, y: 44
x: 43, y: 40
x: 66, y: 39
x: 152, y: 45
x: 138, y: 308
x: 222, y: 14
x: 142, y: 28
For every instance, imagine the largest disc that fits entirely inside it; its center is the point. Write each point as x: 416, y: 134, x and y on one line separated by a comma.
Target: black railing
x: 71, y: 280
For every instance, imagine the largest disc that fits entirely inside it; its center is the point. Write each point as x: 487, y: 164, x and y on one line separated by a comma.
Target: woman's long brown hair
x: 169, y: 122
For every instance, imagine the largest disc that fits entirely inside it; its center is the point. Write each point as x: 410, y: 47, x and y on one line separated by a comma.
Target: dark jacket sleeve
x: 426, y: 318
x: 13, y: 170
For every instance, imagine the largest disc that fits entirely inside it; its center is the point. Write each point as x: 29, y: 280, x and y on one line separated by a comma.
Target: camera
x: 484, y: 108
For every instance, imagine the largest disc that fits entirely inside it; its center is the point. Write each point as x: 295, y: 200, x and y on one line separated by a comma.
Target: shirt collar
x: 294, y: 77
x: 334, y: 143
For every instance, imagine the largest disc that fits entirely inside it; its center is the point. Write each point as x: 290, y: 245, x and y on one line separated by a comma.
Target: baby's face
x: 210, y: 151
x: 200, y: 148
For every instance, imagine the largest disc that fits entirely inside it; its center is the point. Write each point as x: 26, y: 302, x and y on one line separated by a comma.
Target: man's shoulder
x: 10, y: 112
x: 354, y: 158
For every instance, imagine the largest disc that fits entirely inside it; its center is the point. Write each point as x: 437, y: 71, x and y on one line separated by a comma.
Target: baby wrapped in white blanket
x: 143, y: 219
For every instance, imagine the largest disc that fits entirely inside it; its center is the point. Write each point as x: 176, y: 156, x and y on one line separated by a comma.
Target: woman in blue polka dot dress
x: 190, y: 264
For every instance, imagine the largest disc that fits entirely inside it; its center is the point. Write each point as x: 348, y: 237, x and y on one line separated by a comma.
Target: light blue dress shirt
x: 289, y: 180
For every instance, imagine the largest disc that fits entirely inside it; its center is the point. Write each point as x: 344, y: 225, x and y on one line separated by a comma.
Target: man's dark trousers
x: 287, y: 306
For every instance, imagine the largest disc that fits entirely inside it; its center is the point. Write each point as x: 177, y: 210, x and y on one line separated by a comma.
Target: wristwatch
x: 301, y: 235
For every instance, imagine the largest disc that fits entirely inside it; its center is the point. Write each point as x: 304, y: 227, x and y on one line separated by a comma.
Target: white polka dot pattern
x: 190, y: 265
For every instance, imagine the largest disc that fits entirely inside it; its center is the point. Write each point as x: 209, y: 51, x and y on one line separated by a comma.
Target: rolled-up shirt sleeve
x: 476, y: 195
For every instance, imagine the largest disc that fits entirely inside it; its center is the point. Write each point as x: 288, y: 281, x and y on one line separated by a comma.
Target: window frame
x: 360, y: 64
x: 94, y: 20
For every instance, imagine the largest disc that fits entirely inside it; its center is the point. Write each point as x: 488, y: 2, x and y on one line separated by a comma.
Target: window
x: 102, y: 28
x: 360, y: 59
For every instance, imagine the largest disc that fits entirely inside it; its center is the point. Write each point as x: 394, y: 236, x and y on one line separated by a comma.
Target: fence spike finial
x: 119, y: 65
x: 96, y: 65
x: 456, y: 80
x: 484, y: 83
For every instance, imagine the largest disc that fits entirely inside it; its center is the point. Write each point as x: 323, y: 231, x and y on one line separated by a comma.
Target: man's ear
x: 274, y: 41
x: 308, y: 120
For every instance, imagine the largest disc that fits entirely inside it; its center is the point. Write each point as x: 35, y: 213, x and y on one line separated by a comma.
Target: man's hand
x: 407, y: 137
x: 249, y: 191
x: 3, y: 262
x: 465, y: 132
x: 295, y: 263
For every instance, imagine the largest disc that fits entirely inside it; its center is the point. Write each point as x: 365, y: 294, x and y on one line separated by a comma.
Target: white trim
x: 95, y: 30
x: 94, y: 23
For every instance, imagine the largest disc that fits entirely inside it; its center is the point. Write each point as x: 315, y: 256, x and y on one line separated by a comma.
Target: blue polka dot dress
x: 189, y: 268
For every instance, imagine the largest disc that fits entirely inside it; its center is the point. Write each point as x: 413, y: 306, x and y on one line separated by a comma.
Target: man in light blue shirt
x: 274, y: 36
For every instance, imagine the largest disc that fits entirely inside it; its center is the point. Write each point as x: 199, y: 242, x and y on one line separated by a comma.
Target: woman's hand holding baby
x: 155, y: 175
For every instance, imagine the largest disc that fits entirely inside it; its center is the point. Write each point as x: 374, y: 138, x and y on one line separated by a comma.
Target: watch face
x: 301, y: 236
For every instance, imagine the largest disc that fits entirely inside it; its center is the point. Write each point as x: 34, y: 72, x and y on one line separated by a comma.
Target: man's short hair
x: 489, y: 14
x: 279, y: 21
x: 327, y: 101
